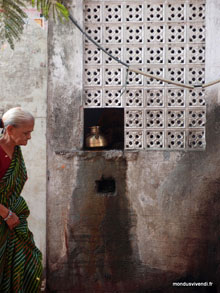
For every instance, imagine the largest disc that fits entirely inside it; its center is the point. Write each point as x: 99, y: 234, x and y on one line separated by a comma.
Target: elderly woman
x: 20, y: 259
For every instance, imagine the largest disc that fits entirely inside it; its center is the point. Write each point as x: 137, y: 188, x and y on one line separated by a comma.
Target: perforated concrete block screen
x: 163, y: 38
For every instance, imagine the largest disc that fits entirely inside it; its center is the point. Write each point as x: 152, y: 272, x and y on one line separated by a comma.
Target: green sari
x: 20, y: 259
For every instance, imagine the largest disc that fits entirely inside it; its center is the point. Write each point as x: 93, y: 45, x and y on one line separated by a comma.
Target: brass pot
x: 95, y: 139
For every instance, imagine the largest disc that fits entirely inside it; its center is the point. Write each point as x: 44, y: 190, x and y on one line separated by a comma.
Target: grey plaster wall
x: 162, y: 223
x: 23, y: 82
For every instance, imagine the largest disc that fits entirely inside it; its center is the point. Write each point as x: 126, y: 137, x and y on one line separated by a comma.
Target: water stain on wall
x: 100, y: 248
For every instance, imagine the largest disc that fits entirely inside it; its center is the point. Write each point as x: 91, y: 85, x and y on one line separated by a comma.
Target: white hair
x: 16, y: 117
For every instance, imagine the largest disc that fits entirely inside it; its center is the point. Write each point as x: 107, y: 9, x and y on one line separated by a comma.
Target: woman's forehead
x: 27, y: 125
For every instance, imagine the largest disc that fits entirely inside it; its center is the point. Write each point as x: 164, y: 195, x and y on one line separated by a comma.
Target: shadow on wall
x: 99, y: 247
x: 101, y: 239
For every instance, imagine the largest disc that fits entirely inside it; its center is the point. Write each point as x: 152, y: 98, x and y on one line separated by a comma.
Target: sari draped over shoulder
x: 20, y: 259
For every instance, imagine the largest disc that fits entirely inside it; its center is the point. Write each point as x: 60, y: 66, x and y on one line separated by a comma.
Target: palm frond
x: 45, y: 6
x: 12, y: 16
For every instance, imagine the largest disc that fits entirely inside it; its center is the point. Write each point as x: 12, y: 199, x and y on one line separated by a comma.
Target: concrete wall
x: 162, y: 223
x: 23, y: 83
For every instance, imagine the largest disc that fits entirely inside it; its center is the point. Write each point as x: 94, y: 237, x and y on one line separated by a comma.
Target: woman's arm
x: 3, y: 211
x: 12, y: 220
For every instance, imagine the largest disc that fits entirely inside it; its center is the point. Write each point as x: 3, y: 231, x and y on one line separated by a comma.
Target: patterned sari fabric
x: 20, y: 259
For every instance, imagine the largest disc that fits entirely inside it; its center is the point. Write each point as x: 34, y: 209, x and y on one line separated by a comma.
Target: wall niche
x: 109, y: 122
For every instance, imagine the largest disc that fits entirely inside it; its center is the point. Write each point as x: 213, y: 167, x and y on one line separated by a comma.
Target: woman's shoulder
x: 5, y: 162
x: 2, y: 152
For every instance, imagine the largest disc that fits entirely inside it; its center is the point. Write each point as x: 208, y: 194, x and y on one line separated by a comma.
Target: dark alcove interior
x: 111, y: 123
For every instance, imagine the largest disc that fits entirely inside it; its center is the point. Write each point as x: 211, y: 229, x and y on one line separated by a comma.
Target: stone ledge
x: 107, y: 154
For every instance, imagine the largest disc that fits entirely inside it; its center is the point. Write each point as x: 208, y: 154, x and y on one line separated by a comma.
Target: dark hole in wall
x: 106, y: 185
x: 111, y: 122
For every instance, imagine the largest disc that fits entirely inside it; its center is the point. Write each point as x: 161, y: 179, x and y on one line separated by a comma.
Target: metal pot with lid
x: 95, y: 138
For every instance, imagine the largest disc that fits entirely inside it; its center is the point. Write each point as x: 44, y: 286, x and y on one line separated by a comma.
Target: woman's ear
x: 9, y: 129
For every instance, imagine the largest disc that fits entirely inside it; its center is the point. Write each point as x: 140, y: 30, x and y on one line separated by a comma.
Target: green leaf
x: 12, y: 16
x: 12, y: 20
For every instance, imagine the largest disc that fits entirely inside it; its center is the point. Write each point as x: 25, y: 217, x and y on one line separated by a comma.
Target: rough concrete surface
x: 154, y: 230
x: 160, y: 225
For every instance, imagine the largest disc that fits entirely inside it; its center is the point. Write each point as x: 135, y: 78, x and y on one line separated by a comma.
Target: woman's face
x: 21, y: 134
